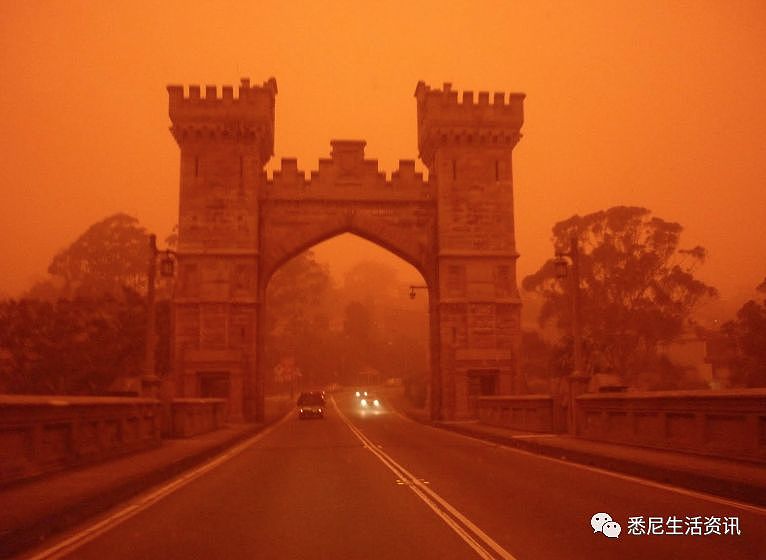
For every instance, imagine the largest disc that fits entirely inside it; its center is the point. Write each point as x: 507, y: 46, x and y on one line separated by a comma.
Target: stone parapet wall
x: 532, y: 413
x: 729, y: 424
x: 42, y: 434
x: 191, y: 417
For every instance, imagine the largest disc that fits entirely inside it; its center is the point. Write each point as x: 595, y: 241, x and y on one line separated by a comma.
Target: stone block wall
x: 42, y: 434
x: 730, y: 424
x: 193, y: 417
x: 530, y: 413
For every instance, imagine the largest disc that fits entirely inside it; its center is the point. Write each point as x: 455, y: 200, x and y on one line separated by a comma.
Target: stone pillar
x: 467, y: 147
x: 225, y: 142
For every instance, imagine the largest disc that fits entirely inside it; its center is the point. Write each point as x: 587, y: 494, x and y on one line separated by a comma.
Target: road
x: 377, y: 485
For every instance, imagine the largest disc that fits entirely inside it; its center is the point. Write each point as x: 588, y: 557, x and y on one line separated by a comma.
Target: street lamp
x: 150, y: 380
x: 578, y: 379
x: 413, y: 288
x: 167, y: 264
x: 561, y: 266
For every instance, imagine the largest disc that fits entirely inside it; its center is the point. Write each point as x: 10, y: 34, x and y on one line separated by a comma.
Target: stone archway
x: 237, y: 226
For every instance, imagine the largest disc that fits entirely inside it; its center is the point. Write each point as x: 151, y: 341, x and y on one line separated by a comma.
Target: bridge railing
x: 40, y: 434
x: 191, y: 417
x: 532, y: 413
x: 730, y: 423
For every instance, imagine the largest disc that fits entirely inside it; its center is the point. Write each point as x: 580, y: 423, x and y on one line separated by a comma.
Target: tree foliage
x: 70, y: 347
x: 333, y: 333
x: 110, y: 255
x: 637, y: 285
x: 84, y: 327
x: 747, y: 334
x: 296, y: 323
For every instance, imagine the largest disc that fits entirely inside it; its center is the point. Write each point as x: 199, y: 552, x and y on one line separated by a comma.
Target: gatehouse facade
x: 237, y: 226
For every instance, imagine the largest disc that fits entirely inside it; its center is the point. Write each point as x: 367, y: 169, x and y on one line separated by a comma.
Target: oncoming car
x: 311, y: 405
x: 369, y: 402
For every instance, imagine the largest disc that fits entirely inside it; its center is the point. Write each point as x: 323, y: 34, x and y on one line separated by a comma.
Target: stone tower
x: 467, y: 145
x: 225, y: 143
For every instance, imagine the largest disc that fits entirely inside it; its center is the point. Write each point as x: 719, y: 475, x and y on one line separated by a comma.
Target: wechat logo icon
x: 604, y: 524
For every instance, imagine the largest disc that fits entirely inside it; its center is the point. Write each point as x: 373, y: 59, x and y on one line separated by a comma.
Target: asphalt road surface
x: 376, y: 485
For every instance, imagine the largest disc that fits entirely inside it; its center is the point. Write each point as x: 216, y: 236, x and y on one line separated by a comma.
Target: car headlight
x: 376, y: 402
x: 364, y: 402
x: 357, y: 393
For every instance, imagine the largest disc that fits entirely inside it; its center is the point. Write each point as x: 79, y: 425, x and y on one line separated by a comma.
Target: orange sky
x: 627, y: 103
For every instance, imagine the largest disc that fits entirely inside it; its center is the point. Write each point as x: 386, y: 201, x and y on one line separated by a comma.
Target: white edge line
x: 145, y: 500
x: 644, y: 481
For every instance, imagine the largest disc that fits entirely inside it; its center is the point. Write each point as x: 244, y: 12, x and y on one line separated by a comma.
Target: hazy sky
x: 658, y: 104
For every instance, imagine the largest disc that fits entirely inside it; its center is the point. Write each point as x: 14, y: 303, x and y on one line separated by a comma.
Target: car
x: 311, y: 405
x: 360, y: 394
x: 370, y: 402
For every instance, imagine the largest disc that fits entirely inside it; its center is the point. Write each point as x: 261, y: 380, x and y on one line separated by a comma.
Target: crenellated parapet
x: 444, y: 119
x: 247, y: 118
x: 347, y: 174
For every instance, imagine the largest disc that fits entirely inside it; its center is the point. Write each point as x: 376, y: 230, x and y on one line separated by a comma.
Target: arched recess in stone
x: 413, y: 243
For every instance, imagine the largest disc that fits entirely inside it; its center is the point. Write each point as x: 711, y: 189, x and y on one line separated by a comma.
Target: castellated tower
x: 467, y: 145
x: 225, y: 142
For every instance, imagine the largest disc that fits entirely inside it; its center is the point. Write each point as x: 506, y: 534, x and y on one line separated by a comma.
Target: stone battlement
x: 247, y: 94
x: 347, y: 172
x: 446, y: 100
x: 247, y: 118
x: 443, y: 118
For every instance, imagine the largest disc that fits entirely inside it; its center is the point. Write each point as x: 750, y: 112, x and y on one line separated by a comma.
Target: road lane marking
x: 144, y: 501
x: 477, y: 539
x: 630, y: 478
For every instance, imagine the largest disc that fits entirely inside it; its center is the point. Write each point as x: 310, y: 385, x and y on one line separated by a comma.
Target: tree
x: 296, y: 322
x: 637, y: 286
x: 110, y: 255
x: 372, y: 283
x: 70, y: 346
x: 747, y: 335
x: 84, y: 326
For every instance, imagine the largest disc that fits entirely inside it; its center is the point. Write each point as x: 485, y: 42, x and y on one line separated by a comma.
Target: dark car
x: 311, y: 405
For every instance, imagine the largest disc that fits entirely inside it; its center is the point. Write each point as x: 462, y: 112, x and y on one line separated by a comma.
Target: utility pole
x: 574, y: 254
x: 578, y: 379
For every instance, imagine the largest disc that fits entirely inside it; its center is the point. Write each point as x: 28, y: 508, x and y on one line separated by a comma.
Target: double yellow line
x: 477, y: 539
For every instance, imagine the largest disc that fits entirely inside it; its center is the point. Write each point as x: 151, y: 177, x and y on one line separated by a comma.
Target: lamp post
x: 150, y: 381
x: 413, y: 293
x: 578, y: 379
x: 434, y: 395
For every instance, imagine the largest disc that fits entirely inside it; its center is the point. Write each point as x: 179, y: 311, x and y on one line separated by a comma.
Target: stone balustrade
x: 41, y: 434
x: 532, y: 413
x: 191, y: 417
x: 731, y: 424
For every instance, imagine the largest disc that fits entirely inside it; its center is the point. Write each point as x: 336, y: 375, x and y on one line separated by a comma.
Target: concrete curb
x: 739, y: 490
x: 92, y: 503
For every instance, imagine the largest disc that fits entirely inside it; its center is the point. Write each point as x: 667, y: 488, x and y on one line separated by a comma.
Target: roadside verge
x: 38, y: 509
